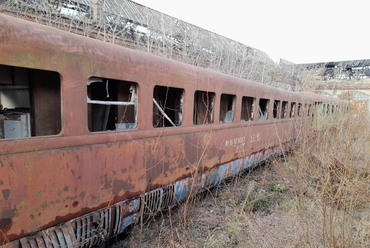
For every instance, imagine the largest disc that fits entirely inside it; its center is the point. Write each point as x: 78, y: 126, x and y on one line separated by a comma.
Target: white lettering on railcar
x: 255, y: 137
x: 240, y: 141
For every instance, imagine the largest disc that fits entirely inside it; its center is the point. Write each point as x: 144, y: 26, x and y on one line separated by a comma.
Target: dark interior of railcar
x: 276, y: 109
x: 247, y: 108
x: 106, y: 109
x: 167, y: 106
x: 263, y: 109
x: 292, y: 110
x: 203, y: 107
x: 284, y: 108
x: 30, y: 102
x: 227, y: 108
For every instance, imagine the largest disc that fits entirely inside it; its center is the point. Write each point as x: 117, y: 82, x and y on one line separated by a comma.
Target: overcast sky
x: 299, y: 31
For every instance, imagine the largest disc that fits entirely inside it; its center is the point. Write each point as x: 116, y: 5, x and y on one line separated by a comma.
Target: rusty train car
x: 93, y: 134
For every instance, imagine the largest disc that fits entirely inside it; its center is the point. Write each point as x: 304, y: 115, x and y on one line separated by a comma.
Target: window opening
x: 309, y: 110
x: 30, y: 102
x: 323, y: 106
x: 292, y: 110
x: 203, y: 107
x: 112, y: 104
x: 299, y: 109
x: 167, y: 106
x: 227, y: 108
x: 263, y: 109
x: 276, y: 109
x: 327, y: 109
x: 284, y: 107
x: 247, y: 108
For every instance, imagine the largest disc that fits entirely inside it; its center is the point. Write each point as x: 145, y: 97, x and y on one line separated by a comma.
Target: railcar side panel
x: 48, y: 187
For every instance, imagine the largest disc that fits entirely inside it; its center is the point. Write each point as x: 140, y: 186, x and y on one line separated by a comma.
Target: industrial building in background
x: 132, y: 25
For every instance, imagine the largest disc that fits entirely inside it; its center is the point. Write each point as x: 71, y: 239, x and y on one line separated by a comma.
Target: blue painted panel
x: 246, y: 162
x: 181, y: 190
x: 129, y: 220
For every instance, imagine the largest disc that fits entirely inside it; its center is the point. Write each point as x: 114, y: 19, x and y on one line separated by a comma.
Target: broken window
x: 292, y: 110
x: 299, y: 109
x: 227, y: 108
x: 247, y: 108
x: 30, y: 102
x: 276, y: 109
x: 323, y: 106
x: 112, y: 104
x: 284, y: 107
x: 203, y: 107
x: 263, y: 109
x: 167, y: 106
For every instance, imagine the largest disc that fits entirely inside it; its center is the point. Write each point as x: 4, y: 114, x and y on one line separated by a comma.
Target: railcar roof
x: 44, y: 38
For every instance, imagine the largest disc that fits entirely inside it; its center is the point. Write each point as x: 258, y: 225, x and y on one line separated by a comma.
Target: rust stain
x: 6, y: 193
x: 50, y: 180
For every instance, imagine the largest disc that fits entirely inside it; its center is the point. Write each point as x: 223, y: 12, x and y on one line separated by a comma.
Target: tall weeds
x: 332, y: 169
x: 316, y: 196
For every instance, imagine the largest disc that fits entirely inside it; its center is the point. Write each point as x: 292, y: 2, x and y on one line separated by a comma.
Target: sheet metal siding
x: 50, y: 180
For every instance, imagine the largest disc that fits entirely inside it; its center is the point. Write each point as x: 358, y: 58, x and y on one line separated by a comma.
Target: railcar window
x: 203, y: 107
x: 276, y: 109
x: 167, y: 106
x: 292, y: 110
x: 112, y: 104
x: 309, y: 110
x: 30, y: 102
x: 247, y: 108
x: 263, y: 109
x: 284, y: 107
x: 299, y: 109
x: 323, y: 106
x: 227, y: 108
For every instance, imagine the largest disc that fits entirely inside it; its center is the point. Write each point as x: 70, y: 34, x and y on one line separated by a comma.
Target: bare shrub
x: 331, y: 170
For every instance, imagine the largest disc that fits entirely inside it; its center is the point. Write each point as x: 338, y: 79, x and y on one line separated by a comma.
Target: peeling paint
x: 6, y: 193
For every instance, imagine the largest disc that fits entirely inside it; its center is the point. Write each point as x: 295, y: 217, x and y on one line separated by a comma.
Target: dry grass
x: 316, y: 197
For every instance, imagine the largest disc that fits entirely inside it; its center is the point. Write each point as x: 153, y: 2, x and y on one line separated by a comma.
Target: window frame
x: 266, y: 109
x: 112, y: 113
x: 173, y: 108
x: 244, y: 109
x: 223, y: 116
x: 211, y: 98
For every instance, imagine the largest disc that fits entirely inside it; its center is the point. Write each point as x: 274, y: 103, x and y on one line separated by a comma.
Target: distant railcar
x: 93, y: 134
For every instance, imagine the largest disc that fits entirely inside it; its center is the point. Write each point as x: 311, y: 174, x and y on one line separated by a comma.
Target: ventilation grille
x: 93, y: 229
x: 62, y: 236
x: 159, y: 199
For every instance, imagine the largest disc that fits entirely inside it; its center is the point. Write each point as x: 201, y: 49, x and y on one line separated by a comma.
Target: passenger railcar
x: 92, y: 134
